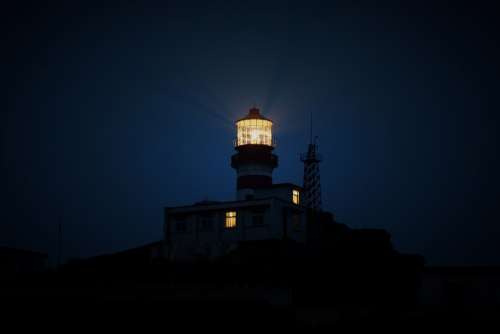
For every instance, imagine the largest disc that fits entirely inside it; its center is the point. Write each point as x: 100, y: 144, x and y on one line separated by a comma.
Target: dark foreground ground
x: 235, y: 309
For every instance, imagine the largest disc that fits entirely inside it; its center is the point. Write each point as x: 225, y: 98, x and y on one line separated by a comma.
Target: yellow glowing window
x: 230, y: 219
x: 254, y: 131
x: 295, y: 197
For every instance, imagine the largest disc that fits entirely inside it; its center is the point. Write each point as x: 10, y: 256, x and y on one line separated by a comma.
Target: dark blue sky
x: 114, y: 112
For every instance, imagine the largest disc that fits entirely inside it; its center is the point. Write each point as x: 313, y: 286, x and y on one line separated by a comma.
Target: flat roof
x: 284, y: 185
x: 228, y: 204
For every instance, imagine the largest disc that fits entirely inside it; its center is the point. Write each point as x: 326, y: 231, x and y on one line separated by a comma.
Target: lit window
x: 295, y: 197
x: 230, y: 219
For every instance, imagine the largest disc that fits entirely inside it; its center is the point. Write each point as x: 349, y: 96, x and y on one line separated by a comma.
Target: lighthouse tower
x: 254, y: 161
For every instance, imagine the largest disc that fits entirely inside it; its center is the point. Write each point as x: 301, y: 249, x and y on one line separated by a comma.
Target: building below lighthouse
x: 262, y: 210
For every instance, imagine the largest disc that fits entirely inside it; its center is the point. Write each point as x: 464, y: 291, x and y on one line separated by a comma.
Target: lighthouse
x: 262, y: 210
x: 254, y: 160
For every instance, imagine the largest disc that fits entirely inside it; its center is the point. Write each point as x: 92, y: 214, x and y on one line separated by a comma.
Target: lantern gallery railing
x: 237, y: 142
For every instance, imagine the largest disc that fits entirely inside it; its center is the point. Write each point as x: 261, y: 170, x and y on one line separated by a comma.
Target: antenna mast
x: 311, y: 160
x: 311, y: 130
x: 59, y: 242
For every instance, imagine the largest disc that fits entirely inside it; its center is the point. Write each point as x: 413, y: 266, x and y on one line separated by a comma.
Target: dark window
x: 296, y: 221
x: 181, y: 226
x: 206, y: 224
x: 249, y: 197
x: 258, y: 220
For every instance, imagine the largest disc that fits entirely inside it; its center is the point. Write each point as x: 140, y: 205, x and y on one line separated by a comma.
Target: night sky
x: 115, y: 111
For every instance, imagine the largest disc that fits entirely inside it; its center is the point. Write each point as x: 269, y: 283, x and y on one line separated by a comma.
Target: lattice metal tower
x: 312, y: 185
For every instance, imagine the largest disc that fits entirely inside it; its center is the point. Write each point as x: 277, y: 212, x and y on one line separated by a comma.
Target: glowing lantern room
x: 254, y: 129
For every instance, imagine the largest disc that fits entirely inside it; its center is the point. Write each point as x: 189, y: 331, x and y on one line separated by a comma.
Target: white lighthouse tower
x: 254, y: 161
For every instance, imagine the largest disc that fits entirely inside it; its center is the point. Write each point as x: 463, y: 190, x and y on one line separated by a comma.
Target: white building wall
x: 196, y: 241
x: 259, y: 232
